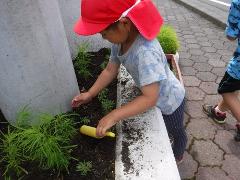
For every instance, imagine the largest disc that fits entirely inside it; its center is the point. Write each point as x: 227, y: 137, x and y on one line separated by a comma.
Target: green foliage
x: 8, y: 178
x: 103, y: 95
x: 108, y: 50
x: 168, y: 40
x: 23, y: 117
x: 104, y: 64
x: 13, y: 157
x: 82, y: 61
x: 107, y: 104
x: 84, y: 167
x: 85, y: 120
x: 48, y: 143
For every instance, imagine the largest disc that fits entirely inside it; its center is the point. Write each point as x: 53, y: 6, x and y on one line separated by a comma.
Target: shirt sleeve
x: 151, y: 67
x: 233, y: 22
x: 113, y: 56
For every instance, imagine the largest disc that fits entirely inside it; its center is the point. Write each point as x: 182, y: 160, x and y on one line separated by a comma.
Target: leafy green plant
x: 47, y: 143
x: 167, y: 37
x: 23, y: 117
x: 104, y: 64
x: 85, y: 120
x: 82, y: 61
x: 13, y: 156
x: 8, y: 178
x: 107, y: 104
x: 84, y: 167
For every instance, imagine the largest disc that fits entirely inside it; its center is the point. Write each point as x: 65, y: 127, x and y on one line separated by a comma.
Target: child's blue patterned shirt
x: 233, y: 30
x: 146, y: 63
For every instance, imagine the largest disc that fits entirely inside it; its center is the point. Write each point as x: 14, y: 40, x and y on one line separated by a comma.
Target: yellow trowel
x: 91, y: 131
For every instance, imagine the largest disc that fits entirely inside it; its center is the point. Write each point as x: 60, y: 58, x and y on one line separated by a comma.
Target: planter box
x: 173, y: 63
x: 143, y: 149
x: 100, y: 152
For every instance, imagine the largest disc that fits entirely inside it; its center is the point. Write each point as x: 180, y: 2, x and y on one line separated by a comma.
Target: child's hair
x: 97, y: 15
x: 113, y: 25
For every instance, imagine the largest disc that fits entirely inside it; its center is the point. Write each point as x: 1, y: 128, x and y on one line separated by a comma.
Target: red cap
x: 96, y: 15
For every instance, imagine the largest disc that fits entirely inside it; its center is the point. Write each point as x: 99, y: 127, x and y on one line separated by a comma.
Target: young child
x: 132, y: 28
x: 230, y: 83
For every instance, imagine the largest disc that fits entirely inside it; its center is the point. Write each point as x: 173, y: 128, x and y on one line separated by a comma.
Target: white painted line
x: 220, y: 2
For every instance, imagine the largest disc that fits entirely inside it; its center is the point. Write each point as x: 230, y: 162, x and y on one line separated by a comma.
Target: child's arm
x: 232, y: 29
x: 105, y: 78
x: 140, y: 104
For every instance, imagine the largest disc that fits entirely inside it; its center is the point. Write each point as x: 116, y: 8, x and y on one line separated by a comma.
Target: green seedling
x: 103, y: 95
x: 104, y: 64
x: 85, y: 120
x: 12, y: 155
x: 167, y: 37
x: 7, y: 178
x: 107, y: 104
x: 84, y: 167
x: 23, y: 117
x: 48, y: 143
x: 82, y: 61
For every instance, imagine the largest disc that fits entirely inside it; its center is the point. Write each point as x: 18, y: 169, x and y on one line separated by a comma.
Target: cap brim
x: 85, y: 28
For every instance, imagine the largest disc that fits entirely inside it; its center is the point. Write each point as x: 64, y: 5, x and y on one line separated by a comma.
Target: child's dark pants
x: 175, y: 128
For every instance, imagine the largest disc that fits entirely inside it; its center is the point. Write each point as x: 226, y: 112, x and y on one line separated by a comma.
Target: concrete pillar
x: 70, y: 11
x: 35, y: 63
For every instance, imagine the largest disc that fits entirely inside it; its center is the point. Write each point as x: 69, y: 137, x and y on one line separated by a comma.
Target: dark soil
x: 101, y: 152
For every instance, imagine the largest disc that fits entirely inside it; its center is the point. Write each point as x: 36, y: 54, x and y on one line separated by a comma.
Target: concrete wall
x: 35, y: 63
x: 70, y: 11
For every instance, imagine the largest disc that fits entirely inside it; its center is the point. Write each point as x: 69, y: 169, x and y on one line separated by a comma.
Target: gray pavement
x: 215, y: 12
x: 211, y: 152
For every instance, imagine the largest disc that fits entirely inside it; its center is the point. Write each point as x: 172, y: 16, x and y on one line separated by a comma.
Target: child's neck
x: 131, y: 38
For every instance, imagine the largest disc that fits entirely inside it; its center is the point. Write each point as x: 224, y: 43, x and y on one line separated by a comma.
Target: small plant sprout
x: 103, y: 95
x: 48, y: 143
x: 107, y: 104
x: 104, y: 64
x: 12, y: 155
x: 84, y: 167
x: 167, y: 37
x: 107, y: 57
x: 82, y: 61
x: 23, y: 117
x: 85, y: 120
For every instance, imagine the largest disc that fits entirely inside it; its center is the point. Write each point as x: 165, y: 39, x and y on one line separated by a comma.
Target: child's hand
x: 105, y: 123
x: 80, y: 99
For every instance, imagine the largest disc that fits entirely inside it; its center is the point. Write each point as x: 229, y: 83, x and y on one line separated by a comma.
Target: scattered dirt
x: 133, y: 134
x: 101, y: 152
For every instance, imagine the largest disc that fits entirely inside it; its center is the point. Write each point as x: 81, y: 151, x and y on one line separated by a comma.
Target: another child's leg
x: 222, y: 106
x: 217, y: 112
x: 233, y: 103
x: 175, y: 127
